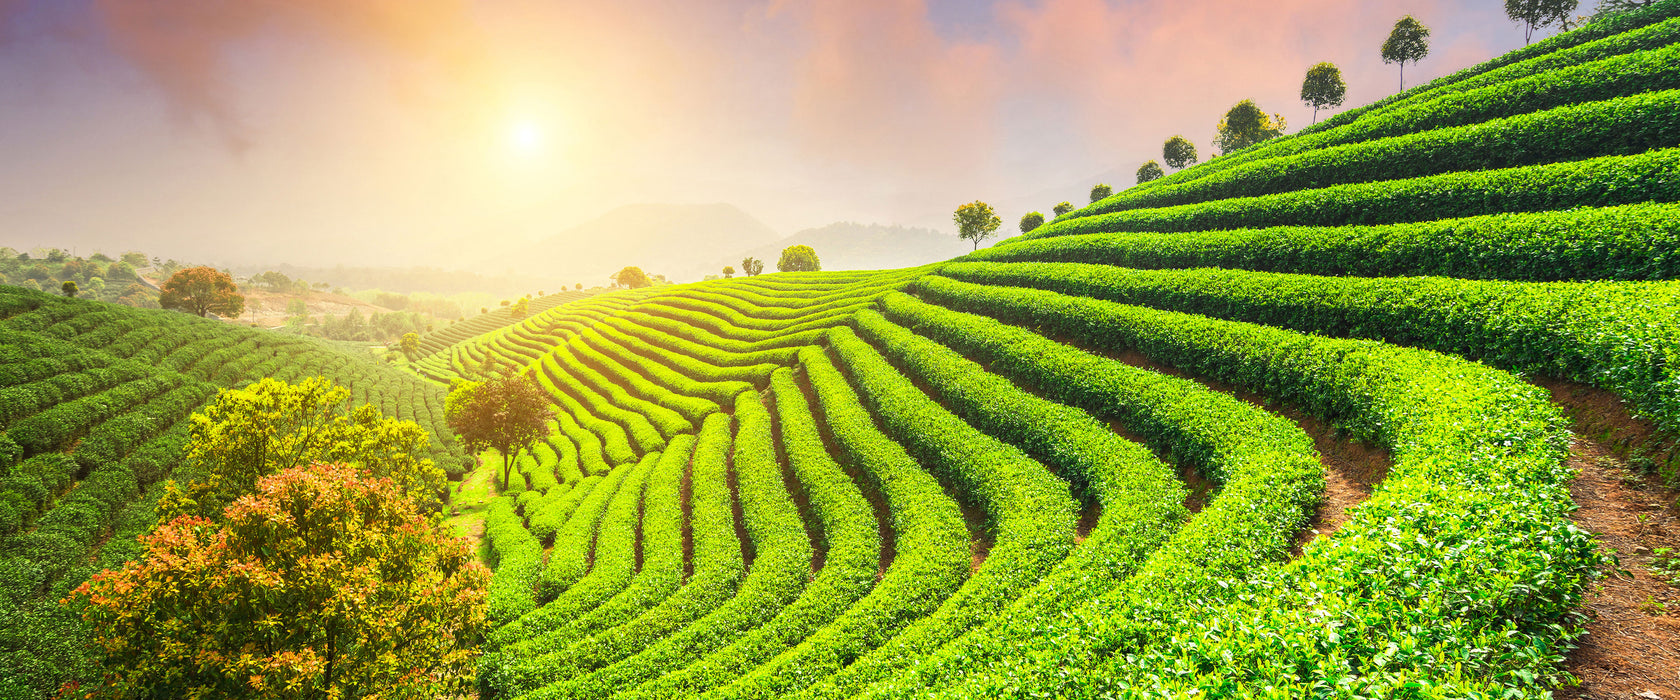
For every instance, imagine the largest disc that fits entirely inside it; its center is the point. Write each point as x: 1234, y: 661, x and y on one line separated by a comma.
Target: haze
x: 445, y: 132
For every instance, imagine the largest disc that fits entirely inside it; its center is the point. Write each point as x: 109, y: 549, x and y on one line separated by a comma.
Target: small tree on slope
x: 507, y: 413
x: 1408, y: 42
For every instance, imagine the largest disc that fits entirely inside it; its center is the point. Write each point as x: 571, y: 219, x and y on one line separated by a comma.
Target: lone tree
x: 69, y: 288
x: 410, y: 344
x: 1536, y: 14
x: 521, y: 308
x: 632, y: 277
x: 375, y: 598
x: 1245, y: 125
x: 976, y: 222
x: 1178, y: 153
x: 798, y: 258
x: 1150, y: 171
x: 1062, y: 208
x: 202, y: 290
x: 1100, y: 192
x: 728, y: 271
x: 508, y: 414
x: 1323, y: 88
x: 1408, y: 42
x: 1030, y: 221
x: 752, y: 266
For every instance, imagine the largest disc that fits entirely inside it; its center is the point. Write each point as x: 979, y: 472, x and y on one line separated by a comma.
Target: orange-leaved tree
x: 324, y: 582
x: 201, y: 290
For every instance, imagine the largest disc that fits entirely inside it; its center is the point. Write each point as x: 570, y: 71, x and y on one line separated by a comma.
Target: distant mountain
x: 674, y: 240
x: 852, y: 246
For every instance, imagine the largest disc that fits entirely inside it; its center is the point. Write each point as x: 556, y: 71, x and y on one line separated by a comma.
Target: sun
x: 526, y: 138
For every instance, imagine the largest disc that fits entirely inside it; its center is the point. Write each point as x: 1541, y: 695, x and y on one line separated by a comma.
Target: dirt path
x: 1632, y: 645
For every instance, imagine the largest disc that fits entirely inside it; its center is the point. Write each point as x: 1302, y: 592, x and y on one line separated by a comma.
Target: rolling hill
x: 849, y: 246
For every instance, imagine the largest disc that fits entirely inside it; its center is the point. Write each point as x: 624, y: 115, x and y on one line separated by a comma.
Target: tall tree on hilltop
x: 1537, y: 14
x: 1323, y: 88
x: 1409, y: 42
x: 508, y: 414
x: 632, y: 277
x: 798, y: 258
x: 1150, y: 171
x: 752, y: 266
x: 1178, y: 153
x: 1062, y: 208
x: 1031, y: 220
x: 202, y: 290
x: 1245, y: 124
x: 1100, y: 192
x: 976, y: 222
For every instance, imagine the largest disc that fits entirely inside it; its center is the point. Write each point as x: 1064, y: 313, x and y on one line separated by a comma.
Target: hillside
x: 666, y: 239
x: 851, y: 246
x: 1295, y: 422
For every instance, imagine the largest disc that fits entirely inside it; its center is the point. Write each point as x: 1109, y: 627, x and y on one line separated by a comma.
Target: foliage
x: 410, y: 344
x: 1323, y: 88
x: 1244, y: 125
x: 631, y: 277
x: 728, y: 271
x: 507, y: 413
x: 1149, y: 171
x: 69, y: 288
x: 1409, y: 41
x: 976, y: 222
x: 1031, y: 220
x: 521, y: 308
x: 798, y: 258
x: 1061, y: 209
x: 1538, y: 14
x: 752, y: 266
x: 1100, y: 192
x: 270, y: 426
x: 389, y: 606
x: 1178, y: 153
x: 202, y: 290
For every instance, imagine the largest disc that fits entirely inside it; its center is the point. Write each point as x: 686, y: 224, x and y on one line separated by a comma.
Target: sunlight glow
x: 526, y: 139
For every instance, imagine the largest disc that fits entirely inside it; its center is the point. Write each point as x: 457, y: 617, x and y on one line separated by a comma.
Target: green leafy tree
x: 1408, y: 43
x: 324, y: 582
x: 202, y: 290
x: 69, y: 288
x: 1062, y: 208
x: 1538, y: 14
x: 506, y: 413
x: 1150, y: 171
x: 1323, y: 88
x: 1031, y: 220
x: 521, y: 308
x: 798, y: 258
x: 632, y: 278
x: 247, y: 434
x: 410, y: 344
x: 728, y: 271
x: 1178, y: 153
x: 752, y: 266
x: 976, y: 222
x: 1100, y: 192
x: 135, y: 259
x: 1245, y: 124
x: 1607, y: 8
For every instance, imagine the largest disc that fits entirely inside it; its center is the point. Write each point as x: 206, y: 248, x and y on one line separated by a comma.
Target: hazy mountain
x: 674, y: 240
x: 852, y: 246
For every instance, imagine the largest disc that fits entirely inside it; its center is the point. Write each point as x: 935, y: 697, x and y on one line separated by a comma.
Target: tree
x: 1150, y: 171
x: 1062, y: 208
x: 1323, y: 88
x: 410, y: 344
x: 69, y: 288
x: 976, y: 222
x: 728, y: 271
x: 752, y: 266
x: 1100, y: 192
x: 135, y: 259
x: 1245, y: 124
x: 508, y: 414
x: 798, y: 258
x: 296, y: 307
x: 521, y: 308
x: 1607, y: 8
x: 324, y: 582
x: 1178, y: 153
x: 1537, y: 14
x: 1408, y: 42
x: 202, y: 290
x: 247, y: 434
x: 632, y: 277
x: 1030, y: 221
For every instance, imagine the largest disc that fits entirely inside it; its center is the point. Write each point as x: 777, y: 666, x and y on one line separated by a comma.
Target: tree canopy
x: 202, y: 290
x: 632, y: 277
x: 410, y: 344
x: 1323, y: 88
x: 752, y: 266
x: 1062, y: 208
x: 1537, y: 14
x: 728, y: 271
x: 1030, y: 221
x: 1245, y: 124
x: 323, y: 582
x: 1150, y: 171
x: 976, y: 222
x: 798, y: 258
x: 1409, y: 42
x: 1100, y: 192
x: 69, y: 288
x: 508, y: 414
x: 1178, y: 153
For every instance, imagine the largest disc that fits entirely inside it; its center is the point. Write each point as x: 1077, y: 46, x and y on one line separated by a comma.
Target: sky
x: 439, y: 132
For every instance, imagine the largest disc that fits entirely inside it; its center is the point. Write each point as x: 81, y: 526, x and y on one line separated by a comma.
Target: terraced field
x: 1085, y: 462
